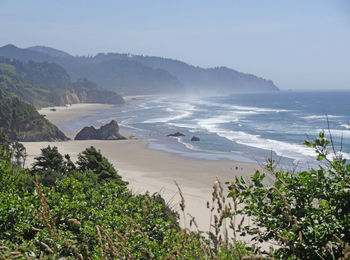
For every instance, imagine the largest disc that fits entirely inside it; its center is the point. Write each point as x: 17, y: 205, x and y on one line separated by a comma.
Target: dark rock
x: 177, y: 134
x: 195, y: 139
x: 53, y: 109
x: 87, y: 133
x: 109, y: 131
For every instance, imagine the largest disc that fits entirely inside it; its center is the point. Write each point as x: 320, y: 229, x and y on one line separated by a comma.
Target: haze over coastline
x: 298, y: 44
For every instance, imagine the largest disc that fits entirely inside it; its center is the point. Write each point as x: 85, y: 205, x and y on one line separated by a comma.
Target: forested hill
x: 46, y: 84
x: 137, y: 74
x: 221, y: 79
x: 125, y: 77
x: 19, y: 121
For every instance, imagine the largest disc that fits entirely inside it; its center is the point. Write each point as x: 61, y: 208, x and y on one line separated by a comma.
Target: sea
x: 242, y: 127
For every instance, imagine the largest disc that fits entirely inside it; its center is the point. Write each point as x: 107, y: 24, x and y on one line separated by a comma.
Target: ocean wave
x: 323, y: 117
x: 285, y: 149
x: 337, y: 133
x: 187, y: 145
x: 183, y: 115
x: 346, y: 126
x: 212, y: 122
x: 184, y: 125
x: 241, y: 108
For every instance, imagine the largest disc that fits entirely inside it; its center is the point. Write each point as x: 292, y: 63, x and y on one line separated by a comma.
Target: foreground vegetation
x: 84, y: 210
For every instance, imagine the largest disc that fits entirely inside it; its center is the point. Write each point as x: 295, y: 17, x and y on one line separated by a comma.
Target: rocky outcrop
x: 177, y: 134
x: 109, y: 131
x: 89, y: 95
x: 69, y: 97
x: 195, y: 139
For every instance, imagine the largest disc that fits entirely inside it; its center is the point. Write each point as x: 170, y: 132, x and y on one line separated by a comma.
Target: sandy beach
x: 149, y: 170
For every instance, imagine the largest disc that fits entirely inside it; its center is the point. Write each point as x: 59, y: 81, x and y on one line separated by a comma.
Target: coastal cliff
x: 19, y: 121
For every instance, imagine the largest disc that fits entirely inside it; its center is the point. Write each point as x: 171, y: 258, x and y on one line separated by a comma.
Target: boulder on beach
x: 177, y: 134
x: 195, y: 139
x: 109, y: 131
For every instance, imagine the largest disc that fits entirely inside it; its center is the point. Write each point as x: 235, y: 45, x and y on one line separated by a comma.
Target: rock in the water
x: 177, y: 134
x: 195, y: 139
x: 106, y: 132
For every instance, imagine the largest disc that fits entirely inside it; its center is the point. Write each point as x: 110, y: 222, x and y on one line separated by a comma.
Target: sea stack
x: 195, y: 139
x: 109, y: 131
x: 177, y: 134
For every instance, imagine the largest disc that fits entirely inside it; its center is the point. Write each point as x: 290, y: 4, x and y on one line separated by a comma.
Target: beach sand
x: 150, y: 170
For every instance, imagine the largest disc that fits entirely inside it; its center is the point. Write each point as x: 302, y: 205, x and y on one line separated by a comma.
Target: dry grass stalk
x: 295, y: 222
x: 111, y: 249
x: 74, y: 221
x: 300, y: 237
x: 120, y: 237
x: 284, y: 239
x: 138, y: 227
x: 182, y: 203
x: 2, y: 256
x: 99, y: 239
x: 47, y: 248
x: 14, y: 253
x: 87, y: 252
x: 253, y: 257
x: 45, y: 216
x: 284, y: 199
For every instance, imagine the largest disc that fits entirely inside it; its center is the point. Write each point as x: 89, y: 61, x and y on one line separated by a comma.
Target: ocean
x: 244, y: 127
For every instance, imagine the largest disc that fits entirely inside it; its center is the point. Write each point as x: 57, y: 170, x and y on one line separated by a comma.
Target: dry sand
x: 150, y: 170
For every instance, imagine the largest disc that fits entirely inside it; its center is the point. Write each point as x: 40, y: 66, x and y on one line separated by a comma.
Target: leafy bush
x: 307, y: 213
x: 84, y: 216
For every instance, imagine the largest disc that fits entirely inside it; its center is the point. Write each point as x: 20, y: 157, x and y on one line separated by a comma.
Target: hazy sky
x: 298, y: 44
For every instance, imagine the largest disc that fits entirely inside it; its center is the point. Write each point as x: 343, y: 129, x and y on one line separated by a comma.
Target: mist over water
x: 244, y: 127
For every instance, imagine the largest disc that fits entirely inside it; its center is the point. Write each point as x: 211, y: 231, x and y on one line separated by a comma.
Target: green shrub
x: 307, y: 213
x: 85, y: 216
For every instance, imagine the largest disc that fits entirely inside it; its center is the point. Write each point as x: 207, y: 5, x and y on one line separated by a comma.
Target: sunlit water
x: 244, y: 127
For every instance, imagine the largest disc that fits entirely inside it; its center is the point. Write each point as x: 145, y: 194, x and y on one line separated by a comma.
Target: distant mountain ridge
x: 218, y: 78
x: 137, y: 74
x: 50, y: 51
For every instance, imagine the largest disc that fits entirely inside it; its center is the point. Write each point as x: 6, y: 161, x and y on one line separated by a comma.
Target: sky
x: 296, y: 43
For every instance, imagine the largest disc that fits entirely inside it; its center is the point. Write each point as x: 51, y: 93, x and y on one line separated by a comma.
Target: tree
x: 4, y: 140
x: 68, y: 164
x: 18, y: 153
x: 307, y: 213
x: 93, y: 160
x: 51, y: 165
x: 50, y: 159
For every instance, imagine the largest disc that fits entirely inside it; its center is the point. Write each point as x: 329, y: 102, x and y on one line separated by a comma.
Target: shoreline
x: 150, y: 170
